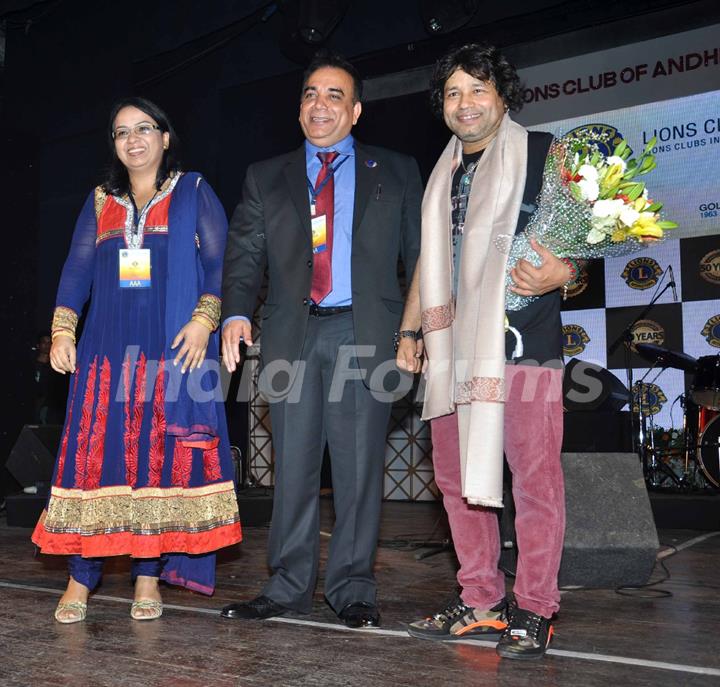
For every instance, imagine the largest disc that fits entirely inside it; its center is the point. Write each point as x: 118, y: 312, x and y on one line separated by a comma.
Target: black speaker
x: 32, y: 458
x: 587, y: 387
x: 610, y: 535
x: 606, y: 431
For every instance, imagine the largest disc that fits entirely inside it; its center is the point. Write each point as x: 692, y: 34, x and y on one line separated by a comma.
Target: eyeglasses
x: 144, y: 129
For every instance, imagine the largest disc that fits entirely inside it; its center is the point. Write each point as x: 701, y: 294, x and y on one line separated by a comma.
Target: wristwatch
x: 405, y: 334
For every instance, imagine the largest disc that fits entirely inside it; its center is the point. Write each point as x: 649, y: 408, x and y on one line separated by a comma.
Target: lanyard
x: 315, y: 192
x: 134, y: 237
x: 137, y: 215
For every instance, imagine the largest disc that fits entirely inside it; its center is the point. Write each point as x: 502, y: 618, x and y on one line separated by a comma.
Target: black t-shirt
x: 461, y: 185
x: 539, y: 323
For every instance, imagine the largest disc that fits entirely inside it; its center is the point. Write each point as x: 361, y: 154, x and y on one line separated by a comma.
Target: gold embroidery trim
x: 100, y: 198
x: 117, y: 233
x: 207, y: 311
x: 147, y: 511
x: 64, y: 322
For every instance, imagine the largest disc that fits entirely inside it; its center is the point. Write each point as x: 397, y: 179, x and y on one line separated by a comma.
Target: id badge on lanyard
x: 134, y: 268
x: 319, y: 233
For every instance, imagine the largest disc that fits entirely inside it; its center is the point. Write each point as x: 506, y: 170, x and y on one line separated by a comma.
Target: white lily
x: 608, y: 208
x: 589, y: 189
x: 588, y: 172
x: 629, y: 215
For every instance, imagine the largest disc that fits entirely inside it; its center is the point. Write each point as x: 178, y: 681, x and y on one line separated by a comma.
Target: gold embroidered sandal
x: 71, y: 612
x: 155, y: 608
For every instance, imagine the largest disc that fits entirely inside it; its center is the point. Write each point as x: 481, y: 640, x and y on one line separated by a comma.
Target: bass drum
x: 709, y: 451
x: 705, y: 390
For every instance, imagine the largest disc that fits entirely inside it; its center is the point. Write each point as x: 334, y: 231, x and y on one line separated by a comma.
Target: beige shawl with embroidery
x: 465, y: 341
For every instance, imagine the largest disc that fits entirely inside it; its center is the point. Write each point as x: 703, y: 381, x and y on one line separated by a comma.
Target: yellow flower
x: 612, y: 177
x: 620, y: 233
x: 646, y: 226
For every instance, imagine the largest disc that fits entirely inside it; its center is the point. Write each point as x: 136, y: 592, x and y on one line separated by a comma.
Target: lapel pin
x: 370, y: 163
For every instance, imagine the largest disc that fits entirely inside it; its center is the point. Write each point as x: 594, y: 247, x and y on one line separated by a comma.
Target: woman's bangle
x: 64, y: 323
x: 207, y: 311
x: 62, y: 332
x: 204, y: 320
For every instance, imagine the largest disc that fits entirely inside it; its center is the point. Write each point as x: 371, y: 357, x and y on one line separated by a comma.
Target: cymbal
x: 665, y: 358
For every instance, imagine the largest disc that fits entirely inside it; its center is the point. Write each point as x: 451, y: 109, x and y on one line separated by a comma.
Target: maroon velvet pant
x: 533, y: 437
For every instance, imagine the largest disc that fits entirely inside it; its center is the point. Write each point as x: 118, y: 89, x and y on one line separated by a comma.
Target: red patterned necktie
x: 324, y: 205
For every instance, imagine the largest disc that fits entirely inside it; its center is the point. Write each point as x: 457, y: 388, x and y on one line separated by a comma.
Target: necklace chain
x: 471, y: 167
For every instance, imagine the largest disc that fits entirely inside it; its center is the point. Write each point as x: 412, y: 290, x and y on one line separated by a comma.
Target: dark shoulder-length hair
x: 484, y: 62
x: 116, y: 179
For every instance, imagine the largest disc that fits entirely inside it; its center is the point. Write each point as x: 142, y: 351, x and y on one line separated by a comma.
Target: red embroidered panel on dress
x: 133, y: 417
x: 157, y: 430
x: 83, y: 436
x: 158, y: 213
x: 97, y: 441
x: 182, y: 465
x: 63, y: 447
x: 112, y: 216
x: 211, y: 465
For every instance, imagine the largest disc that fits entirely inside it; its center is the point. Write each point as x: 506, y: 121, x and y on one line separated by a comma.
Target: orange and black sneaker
x: 460, y: 621
x: 526, y: 637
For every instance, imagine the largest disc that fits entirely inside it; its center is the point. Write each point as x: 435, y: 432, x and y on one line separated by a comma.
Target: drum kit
x: 699, y: 451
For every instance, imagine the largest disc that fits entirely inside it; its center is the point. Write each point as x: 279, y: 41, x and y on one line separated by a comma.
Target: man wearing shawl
x: 494, y: 383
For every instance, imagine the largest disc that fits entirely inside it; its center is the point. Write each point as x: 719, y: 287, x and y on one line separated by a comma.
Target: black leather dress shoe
x: 258, y: 608
x: 360, y: 614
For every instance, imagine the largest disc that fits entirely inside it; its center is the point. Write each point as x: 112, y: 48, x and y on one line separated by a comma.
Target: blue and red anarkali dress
x: 144, y: 466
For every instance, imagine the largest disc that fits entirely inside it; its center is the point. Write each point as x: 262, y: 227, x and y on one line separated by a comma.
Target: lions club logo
x: 641, y: 273
x: 710, y: 267
x: 648, y: 399
x: 611, y: 136
x: 647, y: 332
x: 575, y: 339
x: 711, y: 331
x: 579, y: 285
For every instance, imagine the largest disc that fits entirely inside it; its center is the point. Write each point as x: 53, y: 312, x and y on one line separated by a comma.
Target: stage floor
x: 602, y: 638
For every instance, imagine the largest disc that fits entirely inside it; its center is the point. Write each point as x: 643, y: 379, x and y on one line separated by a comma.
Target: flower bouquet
x: 591, y: 205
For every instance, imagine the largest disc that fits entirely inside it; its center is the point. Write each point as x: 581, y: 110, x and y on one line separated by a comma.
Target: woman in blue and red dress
x: 144, y: 466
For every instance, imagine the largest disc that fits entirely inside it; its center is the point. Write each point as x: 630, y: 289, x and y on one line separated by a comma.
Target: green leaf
x: 646, y: 162
x: 650, y: 145
x: 655, y: 207
x: 634, y: 192
x: 667, y: 224
x: 620, y: 148
x: 630, y: 173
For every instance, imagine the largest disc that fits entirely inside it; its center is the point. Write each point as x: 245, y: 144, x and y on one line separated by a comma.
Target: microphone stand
x: 626, y: 337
